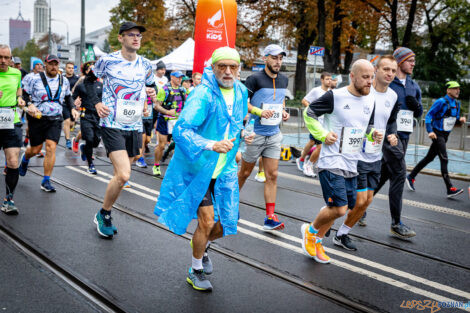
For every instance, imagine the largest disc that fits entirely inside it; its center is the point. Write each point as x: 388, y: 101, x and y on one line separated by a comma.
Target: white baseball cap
x: 274, y: 50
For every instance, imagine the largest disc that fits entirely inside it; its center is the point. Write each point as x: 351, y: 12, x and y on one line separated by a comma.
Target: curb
x: 462, y: 177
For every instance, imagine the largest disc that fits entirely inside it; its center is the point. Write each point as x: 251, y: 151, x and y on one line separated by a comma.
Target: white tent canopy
x: 181, y: 59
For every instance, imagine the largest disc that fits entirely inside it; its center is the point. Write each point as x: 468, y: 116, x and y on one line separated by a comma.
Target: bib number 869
x: 127, y: 112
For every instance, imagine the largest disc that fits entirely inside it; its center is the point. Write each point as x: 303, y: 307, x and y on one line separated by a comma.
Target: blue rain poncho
x: 203, y: 119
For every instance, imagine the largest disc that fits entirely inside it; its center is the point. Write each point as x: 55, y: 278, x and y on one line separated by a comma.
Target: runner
x: 17, y: 65
x: 89, y: 119
x: 202, y: 176
x: 160, y: 80
x: 10, y: 125
x: 37, y: 67
x: 349, y: 116
x: 266, y: 91
x: 147, y: 127
x: 172, y: 99
x: 314, y: 94
x: 368, y: 166
x: 393, y: 160
x: 121, y: 110
x: 49, y: 92
x: 440, y: 120
x: 68, y: 118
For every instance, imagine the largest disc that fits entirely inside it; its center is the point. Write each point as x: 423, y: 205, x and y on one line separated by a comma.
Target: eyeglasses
x: 138, y: 36
x: 223, y: 67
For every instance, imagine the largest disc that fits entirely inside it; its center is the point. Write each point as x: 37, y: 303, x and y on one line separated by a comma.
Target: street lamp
x: 50, y: 32
x: 66, y: 25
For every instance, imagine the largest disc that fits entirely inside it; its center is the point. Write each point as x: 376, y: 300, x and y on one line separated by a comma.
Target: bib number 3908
x: 277, y: 116
x: 7, y: 118
x: 405, y: 121
x: 351, y: 140
x: 128, y: 112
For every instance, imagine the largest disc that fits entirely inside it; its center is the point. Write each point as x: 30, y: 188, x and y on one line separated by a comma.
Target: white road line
x: 421, y: 205
x: 369, y: 263
x: 297, y: 249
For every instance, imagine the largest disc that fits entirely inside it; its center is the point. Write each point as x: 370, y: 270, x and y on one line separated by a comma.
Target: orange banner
x: 216, y: 26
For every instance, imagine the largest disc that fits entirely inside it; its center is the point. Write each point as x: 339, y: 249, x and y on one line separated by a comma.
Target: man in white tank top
x: 348, y: 118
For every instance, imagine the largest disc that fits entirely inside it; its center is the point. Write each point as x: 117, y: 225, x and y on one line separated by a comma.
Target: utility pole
x: 50, y: 32
x: 82, y: 32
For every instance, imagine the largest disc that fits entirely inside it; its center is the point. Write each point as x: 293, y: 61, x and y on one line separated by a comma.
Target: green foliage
x: 31, y: 49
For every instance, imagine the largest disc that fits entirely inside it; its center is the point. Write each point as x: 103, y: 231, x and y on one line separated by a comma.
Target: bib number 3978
x: 7, y: 118
x: 351, y: 140
x: 277, y: 116
x: 128, y: 112
x: 405, y: 121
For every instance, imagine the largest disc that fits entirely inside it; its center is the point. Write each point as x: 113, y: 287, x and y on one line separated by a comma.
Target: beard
x: 272, y: 69
x: 364, y: 91
x: 225, y: 84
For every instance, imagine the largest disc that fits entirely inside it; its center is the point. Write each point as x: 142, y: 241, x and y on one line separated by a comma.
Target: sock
x: 302, y: 159
x: 319, y: 240
x: 104, y: 212
x: 46, y: 178
x: 270, y: 209
x: 157, y: 164
x: 11, y: 180
x: 343, y: 230
x: 88, y: 150
x: 196, y: 264
x: 312, y: 230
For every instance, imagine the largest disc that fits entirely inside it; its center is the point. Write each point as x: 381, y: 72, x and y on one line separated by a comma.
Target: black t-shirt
x: 87, y: 91
x: 72, y: 80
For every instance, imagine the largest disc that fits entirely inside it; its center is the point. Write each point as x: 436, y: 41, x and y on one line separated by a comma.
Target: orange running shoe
x: 321, y: 256
x: 308, y: 241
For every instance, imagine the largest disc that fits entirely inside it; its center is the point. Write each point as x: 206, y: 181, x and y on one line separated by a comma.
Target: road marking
x: 421, y: 205
x: 341, y: 264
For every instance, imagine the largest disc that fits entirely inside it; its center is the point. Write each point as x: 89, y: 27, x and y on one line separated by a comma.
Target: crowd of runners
x: 216, y: 129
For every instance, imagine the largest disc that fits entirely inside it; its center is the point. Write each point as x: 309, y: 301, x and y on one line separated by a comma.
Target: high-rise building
x: 20, y: 31
x: 41, y: 19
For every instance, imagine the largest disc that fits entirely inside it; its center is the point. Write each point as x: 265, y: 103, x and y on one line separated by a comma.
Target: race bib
x: 372, y: 146
x: 405, y: 121
x: 129, y: 112
x: 170, y: 126
x: 448, y: 123
x: 277, y: 116
x: 351, y: 140
x: 7, y: 118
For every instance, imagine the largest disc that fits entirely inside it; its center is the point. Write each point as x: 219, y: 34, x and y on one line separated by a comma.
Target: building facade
x: 41, y: 19
x: 20, y: 32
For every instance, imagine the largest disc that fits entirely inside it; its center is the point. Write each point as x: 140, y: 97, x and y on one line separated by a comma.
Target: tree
x: 31, y: 49
x: 43, y: 43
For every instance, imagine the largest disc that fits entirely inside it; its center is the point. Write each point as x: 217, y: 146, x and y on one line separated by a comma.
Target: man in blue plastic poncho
x: 201, y: 179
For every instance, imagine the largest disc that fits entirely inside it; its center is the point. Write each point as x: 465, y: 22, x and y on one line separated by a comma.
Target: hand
x: 432, y: 135
x: 75, y: 114
x: 285, y: 115
x: 392, y: 139
x: 78, y: 102
x: 171, y: 112
x: 267, y: 113
x: 150, y: 92
x: 331, y: 138
x: 21, y: 103
x: 249, y: 139
x: 377, y: 136
x: 32, y: 110
x: 223, y: 146
x: 463, y: 119
x: 102, y: 110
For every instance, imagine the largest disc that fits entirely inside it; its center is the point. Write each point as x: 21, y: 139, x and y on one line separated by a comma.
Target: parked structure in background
x: 41, y: 19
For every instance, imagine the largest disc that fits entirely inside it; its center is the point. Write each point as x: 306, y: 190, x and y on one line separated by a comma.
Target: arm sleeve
x: 69, y: 101
x: 149, y: 77
x: 99, y: 68
x: 91, y: 93
x: 370, y: 127
x: 433, y: 114
x: 323, y: 105
x: 392, y: 120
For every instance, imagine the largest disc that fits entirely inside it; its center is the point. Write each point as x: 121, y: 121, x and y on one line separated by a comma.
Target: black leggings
x: 438, y: 148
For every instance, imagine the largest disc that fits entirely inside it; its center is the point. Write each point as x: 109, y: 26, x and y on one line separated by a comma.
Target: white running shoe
x: 308, y: 169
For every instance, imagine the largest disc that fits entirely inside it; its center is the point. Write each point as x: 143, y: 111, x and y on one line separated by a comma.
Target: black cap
x: 129, y: 25
x: 161, y: 65
x: 51, y: 57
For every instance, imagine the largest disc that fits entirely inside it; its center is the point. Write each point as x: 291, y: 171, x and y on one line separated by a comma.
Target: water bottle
x: 250, y: 128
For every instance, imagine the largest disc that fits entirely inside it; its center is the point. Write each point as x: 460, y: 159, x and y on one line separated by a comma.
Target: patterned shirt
x: 39, y: 96
x: 123, y: 80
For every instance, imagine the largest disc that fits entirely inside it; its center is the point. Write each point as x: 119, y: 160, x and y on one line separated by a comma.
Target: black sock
x: 104, y: 212
x: 89, y: 152
x: 11, y: 180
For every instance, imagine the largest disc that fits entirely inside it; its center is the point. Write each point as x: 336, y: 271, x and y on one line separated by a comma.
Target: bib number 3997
x: 7, y: 118
x: 128, y: 112
x: 351, y: 140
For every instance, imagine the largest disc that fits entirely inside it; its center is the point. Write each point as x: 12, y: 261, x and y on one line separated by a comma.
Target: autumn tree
x: 31, y: 49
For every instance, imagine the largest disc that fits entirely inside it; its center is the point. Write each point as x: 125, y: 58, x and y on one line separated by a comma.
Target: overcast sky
x: 96, y: 15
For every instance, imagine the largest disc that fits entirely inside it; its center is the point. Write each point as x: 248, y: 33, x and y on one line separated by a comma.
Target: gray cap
x: 16, y: 60
x: 274, y: 50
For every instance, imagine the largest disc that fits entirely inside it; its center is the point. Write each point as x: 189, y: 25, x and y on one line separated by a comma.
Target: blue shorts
x: 317, y: 142
x: 162, y: 125
x: 369, y: 175
x: 337, y: 190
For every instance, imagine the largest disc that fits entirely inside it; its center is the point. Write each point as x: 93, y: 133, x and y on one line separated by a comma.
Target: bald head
x: 362, y: 72
x: 361, y: 65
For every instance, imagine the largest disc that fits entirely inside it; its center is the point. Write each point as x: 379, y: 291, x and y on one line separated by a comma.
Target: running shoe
x: 141, y: 163
x: 345, y: 242
x: 402, y: 231
x: 321, y: 256
x: 9, y: 208
x: 82, y: 152
x: 75, y: 145
x: 300, y: 164
x: 68, y: 144
x: 260, y: 177
x: 452, y: 192
x: 308, y: 241
x: 410, y: 182
x: 92, y: 169
x: 362, y: 221
x: 126, y: 185
x: 104, y: 225
x: 308, y: 169
x: 47, y: 187
x: 23, y: 168
x: 198, y: 280
x: 272, y: 223
x: 40, y: 155
x: 156, y: 170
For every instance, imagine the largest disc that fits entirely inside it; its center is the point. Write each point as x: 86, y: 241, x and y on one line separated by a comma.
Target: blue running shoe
x: 82, y: 152
x: 141, y: 163
x: 410, y: 182
x: 272, y: 223
x: 68, y: 144
x: 47, y: 187
x: 23, y: 168
x: 104, y: 225
x: 92, y: 169
x: 126, y: 185
x: 198, y: 280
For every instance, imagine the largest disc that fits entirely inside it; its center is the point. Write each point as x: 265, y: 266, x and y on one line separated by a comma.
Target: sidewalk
x: 459, y: 161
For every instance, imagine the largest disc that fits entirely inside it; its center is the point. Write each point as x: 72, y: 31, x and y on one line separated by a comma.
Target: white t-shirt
x: 313, y: 95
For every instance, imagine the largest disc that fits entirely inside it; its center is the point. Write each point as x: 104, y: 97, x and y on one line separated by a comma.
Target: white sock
x: 343, y: 230
x: 196, y: 263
